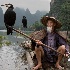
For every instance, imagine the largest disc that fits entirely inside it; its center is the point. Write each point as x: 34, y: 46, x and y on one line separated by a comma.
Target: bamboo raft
x: 33, y: 62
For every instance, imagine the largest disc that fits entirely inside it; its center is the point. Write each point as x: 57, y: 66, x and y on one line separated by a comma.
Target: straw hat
x: 45, y: 19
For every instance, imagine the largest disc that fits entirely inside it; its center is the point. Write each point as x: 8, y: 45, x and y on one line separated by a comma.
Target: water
x: 10, y: 56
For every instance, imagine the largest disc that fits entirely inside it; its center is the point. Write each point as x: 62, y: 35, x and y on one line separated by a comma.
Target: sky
x: 32, y: 5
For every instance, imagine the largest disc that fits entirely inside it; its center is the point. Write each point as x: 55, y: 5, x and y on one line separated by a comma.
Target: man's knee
x: 61, y: 48
x: 38, y: 48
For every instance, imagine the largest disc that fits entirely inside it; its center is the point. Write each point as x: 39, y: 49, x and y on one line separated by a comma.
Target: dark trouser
x: 50, y: 56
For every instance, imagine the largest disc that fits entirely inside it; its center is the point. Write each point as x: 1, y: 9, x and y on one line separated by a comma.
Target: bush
x: 8, y: 43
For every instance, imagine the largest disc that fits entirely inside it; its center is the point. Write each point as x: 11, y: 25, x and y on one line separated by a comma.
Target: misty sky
x: 32, y: 5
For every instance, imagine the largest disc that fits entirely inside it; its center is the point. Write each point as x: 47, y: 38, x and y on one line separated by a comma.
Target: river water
x: 11, y: 56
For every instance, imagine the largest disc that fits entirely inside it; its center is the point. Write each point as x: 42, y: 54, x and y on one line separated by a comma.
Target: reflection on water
x: 10, y: 56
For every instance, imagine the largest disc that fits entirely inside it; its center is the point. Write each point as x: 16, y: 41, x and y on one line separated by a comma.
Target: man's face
x: 50, y: 26
x: 50, y: 23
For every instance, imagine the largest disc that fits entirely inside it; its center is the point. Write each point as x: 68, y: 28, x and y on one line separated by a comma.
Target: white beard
x: 49, y: 29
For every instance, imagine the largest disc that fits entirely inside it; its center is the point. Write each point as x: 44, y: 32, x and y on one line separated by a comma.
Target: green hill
x: 61, y: 10
x: 31, y: 18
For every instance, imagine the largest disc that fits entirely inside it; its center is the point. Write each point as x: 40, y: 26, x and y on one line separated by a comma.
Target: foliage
x: 37, y: 26
x: 4, y: 42
x: 8, y: 43
x: 1, y: 39
x: 0, y: 44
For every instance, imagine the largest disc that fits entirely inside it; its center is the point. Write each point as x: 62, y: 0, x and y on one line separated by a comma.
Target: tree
x: 60, y: 9
x: 37, y: 26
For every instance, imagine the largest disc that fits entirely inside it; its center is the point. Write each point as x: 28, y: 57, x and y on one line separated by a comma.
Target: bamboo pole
x: 33, y: 39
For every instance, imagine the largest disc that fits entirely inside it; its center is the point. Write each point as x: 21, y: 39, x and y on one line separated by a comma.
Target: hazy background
x: 32, y: 5
x: 32, y: 9
x: 35, y: 9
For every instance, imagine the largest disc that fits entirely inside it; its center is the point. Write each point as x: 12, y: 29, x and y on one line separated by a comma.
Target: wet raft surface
x: 10, y: 59
x: 11, y: 56
x: 50, y: 66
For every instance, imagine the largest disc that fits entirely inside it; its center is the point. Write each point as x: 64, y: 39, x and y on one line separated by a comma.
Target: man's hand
x: 39, y: 42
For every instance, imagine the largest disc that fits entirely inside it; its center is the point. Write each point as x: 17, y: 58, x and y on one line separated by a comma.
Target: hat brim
x: 45, y: 19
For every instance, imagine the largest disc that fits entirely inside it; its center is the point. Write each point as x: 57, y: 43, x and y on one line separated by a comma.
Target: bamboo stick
x: 34, y: 39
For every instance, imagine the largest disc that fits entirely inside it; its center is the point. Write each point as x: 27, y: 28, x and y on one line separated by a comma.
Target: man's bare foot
x: 58, y: 67
x: 36, y: 67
